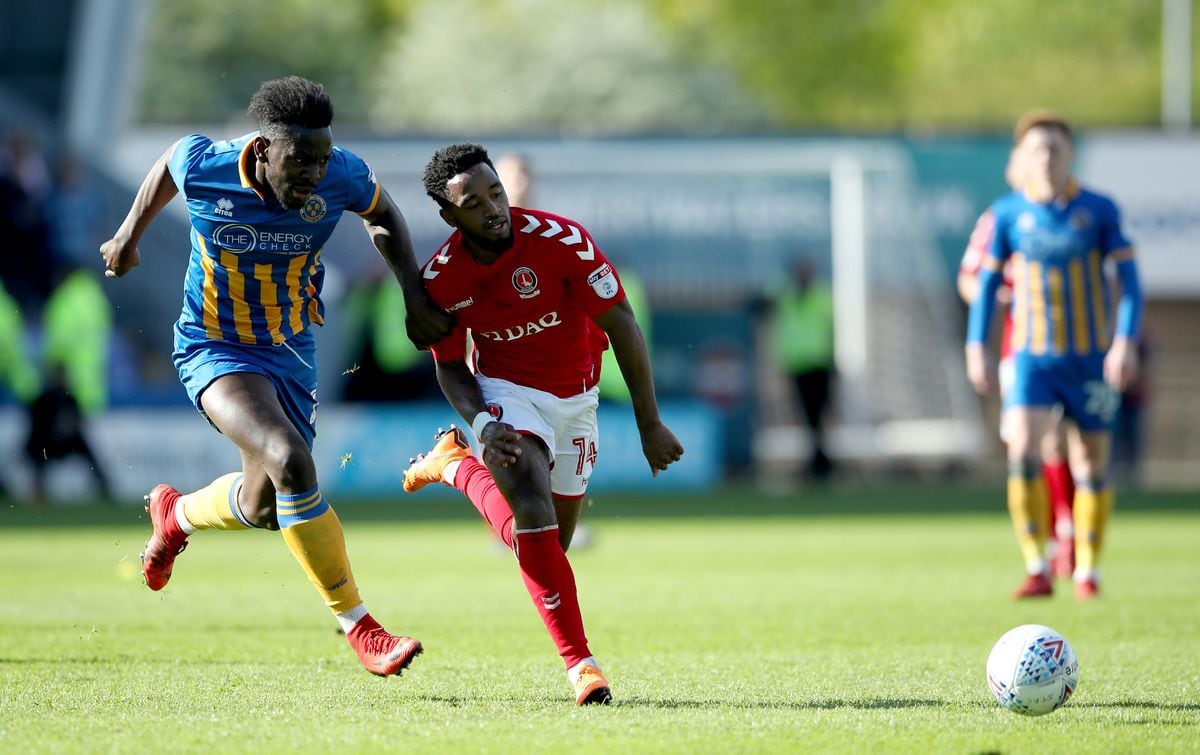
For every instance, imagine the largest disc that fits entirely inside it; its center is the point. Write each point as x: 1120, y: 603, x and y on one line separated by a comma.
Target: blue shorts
x: 291, y: 368
x: 1075, y: 382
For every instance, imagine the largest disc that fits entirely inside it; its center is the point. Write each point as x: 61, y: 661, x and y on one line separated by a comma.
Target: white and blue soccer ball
x: 1032, y: 670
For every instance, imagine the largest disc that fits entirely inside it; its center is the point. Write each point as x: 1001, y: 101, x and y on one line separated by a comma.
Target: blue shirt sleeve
x: 1129, y: 308
x: 185, y: 155
x: 362, y: 190
x: 1112, y: 238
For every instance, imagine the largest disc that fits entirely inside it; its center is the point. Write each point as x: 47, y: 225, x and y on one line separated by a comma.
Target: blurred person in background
x: 1069, y: 345
x: 76, y: 214
x: 1056, y: 469
x: 1129, y: 426
x: 541, y: 301
x: 261, y: 208
x: 18, y: 377
x: 57, y: 432
x: 76, y: 331
x: 24, y: 221
x: 802, y: 337
x: 387, y: 366
x: 516, y: 173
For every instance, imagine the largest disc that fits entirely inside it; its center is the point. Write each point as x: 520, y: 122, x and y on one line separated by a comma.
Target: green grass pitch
x: 825, y: 621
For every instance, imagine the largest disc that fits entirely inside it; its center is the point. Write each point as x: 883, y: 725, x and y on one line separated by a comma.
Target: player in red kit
x: 540, y: 303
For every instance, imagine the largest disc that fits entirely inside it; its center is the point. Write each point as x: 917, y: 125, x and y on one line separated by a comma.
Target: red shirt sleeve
x: 979, y: 243
x: 452, y: 348
x: 594, y: 282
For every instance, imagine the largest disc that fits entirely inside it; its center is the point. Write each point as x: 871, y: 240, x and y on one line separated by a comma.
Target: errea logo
x: 224, y: 207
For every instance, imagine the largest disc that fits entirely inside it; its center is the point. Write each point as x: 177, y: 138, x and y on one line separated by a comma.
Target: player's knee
x: 290, y: 466
x: 532, y: 511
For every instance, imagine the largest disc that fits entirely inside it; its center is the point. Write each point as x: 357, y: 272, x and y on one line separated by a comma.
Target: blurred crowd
x: 55, y: 320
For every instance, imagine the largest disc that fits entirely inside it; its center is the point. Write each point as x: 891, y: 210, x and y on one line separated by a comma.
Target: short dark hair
x: 1041, y: 119
x: 447, y: 163
x: 290, y: 101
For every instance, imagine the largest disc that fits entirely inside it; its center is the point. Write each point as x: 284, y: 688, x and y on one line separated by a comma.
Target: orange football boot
x: 450, y: 445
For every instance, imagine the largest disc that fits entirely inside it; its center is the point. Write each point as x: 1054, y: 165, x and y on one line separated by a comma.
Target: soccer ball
x: 1032, y: 670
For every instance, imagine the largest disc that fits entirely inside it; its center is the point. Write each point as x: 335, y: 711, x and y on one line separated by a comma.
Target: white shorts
x: 566, y: 425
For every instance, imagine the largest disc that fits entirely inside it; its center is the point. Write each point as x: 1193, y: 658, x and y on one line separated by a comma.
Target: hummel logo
x: 550, y: 602
x: 224, y: 207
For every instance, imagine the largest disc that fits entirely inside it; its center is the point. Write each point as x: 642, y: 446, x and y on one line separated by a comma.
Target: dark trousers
x: 813, y: 388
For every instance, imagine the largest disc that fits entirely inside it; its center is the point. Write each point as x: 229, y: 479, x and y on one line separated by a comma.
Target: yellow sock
x: 1092, y: 510
x: 215, y: 506
x: 1029, y: 508
x: 314, y: 536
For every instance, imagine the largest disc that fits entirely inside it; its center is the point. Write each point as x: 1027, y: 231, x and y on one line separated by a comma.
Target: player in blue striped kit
x: 262, y: 207
x: 1067, y: 347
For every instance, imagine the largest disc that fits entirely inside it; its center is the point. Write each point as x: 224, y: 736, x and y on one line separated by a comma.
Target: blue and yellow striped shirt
x: 1062, y: 297
x: 255, y: 271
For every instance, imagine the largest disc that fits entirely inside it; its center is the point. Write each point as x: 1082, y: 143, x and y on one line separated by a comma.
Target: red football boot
x: 1064, y: 558
x: 1087, y: 589
x: 382, y: 653
x: 1034, y: 586
x: 168, y: 540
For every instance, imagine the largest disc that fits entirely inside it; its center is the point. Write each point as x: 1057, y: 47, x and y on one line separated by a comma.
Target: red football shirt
x: 529, y: 312
x: 972, y: 261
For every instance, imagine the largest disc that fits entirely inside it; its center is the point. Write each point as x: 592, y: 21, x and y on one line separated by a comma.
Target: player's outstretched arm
x: 500, y: 441
x: 659, y: 444
x: 120, y: 253
x: 425, y: 322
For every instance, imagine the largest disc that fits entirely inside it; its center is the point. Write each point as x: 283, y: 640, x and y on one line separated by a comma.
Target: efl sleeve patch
x: 604, y: 282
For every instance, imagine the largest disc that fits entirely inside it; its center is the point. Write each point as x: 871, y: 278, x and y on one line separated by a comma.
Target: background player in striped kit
x: 1056, y: 471
x: 261, y: 208
x: 1066, y: 348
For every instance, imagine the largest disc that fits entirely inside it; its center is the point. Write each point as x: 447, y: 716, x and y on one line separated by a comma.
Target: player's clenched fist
x: 119, y: 257
x: 661, y: 447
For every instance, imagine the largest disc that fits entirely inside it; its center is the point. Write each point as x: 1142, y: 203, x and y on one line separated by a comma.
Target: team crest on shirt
x: 496, y: 411
x: 1026, y: 221
x: 1080, y: 220
x: 314, y: 208
x: 525, y: 281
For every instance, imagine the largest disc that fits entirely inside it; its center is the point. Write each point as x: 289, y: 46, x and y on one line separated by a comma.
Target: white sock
x: 573, y: 672
x: 1036, y: 567
x: 182, y: 520
x: 347, y: 619
x: 449, y: 471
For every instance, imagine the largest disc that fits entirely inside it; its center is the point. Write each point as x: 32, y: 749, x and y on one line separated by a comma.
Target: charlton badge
x: 525, y: 281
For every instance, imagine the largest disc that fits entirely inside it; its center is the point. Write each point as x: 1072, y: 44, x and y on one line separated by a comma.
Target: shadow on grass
x: 728, y: 502
x: 1142, y: 704
x: 672, y: 704
x: 870, y: 704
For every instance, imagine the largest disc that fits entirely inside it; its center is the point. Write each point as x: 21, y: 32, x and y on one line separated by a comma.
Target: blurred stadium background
x: 707, y: 146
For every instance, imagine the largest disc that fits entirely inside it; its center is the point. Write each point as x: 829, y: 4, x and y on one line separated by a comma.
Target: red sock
x: 551, y: 584
x: 476, y: 483
x: 1061, y: 487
